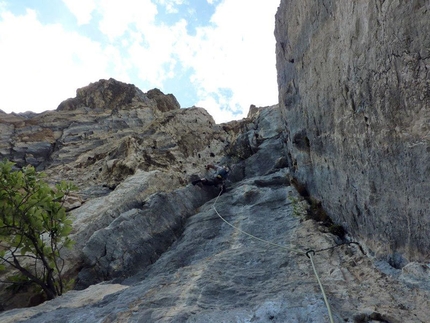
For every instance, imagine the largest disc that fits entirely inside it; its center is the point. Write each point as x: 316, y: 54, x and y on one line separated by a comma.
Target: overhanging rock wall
x: 354, y: 88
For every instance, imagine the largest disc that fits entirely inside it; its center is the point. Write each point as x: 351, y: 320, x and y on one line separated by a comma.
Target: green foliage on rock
x: 34, y: 227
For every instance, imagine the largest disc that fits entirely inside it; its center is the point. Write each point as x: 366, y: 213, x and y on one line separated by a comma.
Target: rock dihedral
x: 152, y: 248
x: 354, y: 90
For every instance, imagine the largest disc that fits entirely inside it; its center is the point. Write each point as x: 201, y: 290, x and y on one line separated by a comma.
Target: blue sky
x: 215, y: 54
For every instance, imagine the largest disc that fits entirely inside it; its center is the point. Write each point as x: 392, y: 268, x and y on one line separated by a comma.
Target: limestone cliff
x: 154, y: 249
x: 151, y: 247
x: 354, y: 90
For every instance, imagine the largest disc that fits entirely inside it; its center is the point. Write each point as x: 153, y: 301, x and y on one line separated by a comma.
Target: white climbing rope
x: 308, y: 254
x: 250, y: 235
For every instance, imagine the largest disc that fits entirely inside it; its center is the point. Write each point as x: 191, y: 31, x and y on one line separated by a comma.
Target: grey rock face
x: 354, y: 91
x: 129, y: 229
x: 259, y: 146
x: 132, y: 233
x: 118, y: 146
x: 153, y: 248
x: 216, y: 273
x: 100, y: 112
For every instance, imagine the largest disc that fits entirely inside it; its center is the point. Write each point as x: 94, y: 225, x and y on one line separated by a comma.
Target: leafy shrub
x: 34, y: 227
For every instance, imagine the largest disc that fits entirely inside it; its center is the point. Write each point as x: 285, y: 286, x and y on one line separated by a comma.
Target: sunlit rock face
x: 354, y: 91
x: 107, y: 132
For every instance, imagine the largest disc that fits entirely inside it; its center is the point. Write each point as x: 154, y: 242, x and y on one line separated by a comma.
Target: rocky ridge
x: 107, y: 132
x: 153, y: 248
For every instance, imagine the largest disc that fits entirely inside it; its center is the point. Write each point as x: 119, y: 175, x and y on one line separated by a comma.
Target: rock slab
x: 216, y: 273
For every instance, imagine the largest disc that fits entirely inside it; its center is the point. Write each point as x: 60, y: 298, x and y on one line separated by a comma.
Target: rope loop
x: 308, y: 252
x: 339, y: 245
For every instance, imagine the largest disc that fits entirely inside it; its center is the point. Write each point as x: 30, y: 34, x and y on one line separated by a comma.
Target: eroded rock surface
x: 107, y: 132
x: 354, y: 86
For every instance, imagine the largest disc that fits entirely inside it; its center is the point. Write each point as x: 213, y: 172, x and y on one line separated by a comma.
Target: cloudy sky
x: 215, y: 54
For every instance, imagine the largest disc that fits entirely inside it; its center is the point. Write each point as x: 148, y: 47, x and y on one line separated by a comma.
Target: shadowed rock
x: 354, y: 92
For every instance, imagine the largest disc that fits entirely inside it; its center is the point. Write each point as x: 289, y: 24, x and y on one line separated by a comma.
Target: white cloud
x: 82, y: 9
x: 118, y: 16
x: 212, y: 105
x: 170, y: 5
x: 43, y: 65
x: 237, y: 53
x: 232, y: 60
x: 154, y: 58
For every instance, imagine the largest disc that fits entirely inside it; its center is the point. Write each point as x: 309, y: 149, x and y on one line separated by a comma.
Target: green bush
x: 33, y: 227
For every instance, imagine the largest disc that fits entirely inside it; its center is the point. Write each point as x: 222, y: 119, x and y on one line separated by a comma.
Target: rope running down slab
x: 250, y: 235
x: 308, y: 253
x: 327, y: 304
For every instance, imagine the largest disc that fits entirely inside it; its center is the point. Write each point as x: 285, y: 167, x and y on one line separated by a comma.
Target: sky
x: 214, y: 54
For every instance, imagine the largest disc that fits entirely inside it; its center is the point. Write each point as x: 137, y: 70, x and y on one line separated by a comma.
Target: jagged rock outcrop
x: 106, y: 95
x: 354, y: 91
x: 107, y: 132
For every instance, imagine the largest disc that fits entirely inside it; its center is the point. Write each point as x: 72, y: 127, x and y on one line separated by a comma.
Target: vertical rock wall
x: 354, y: 88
